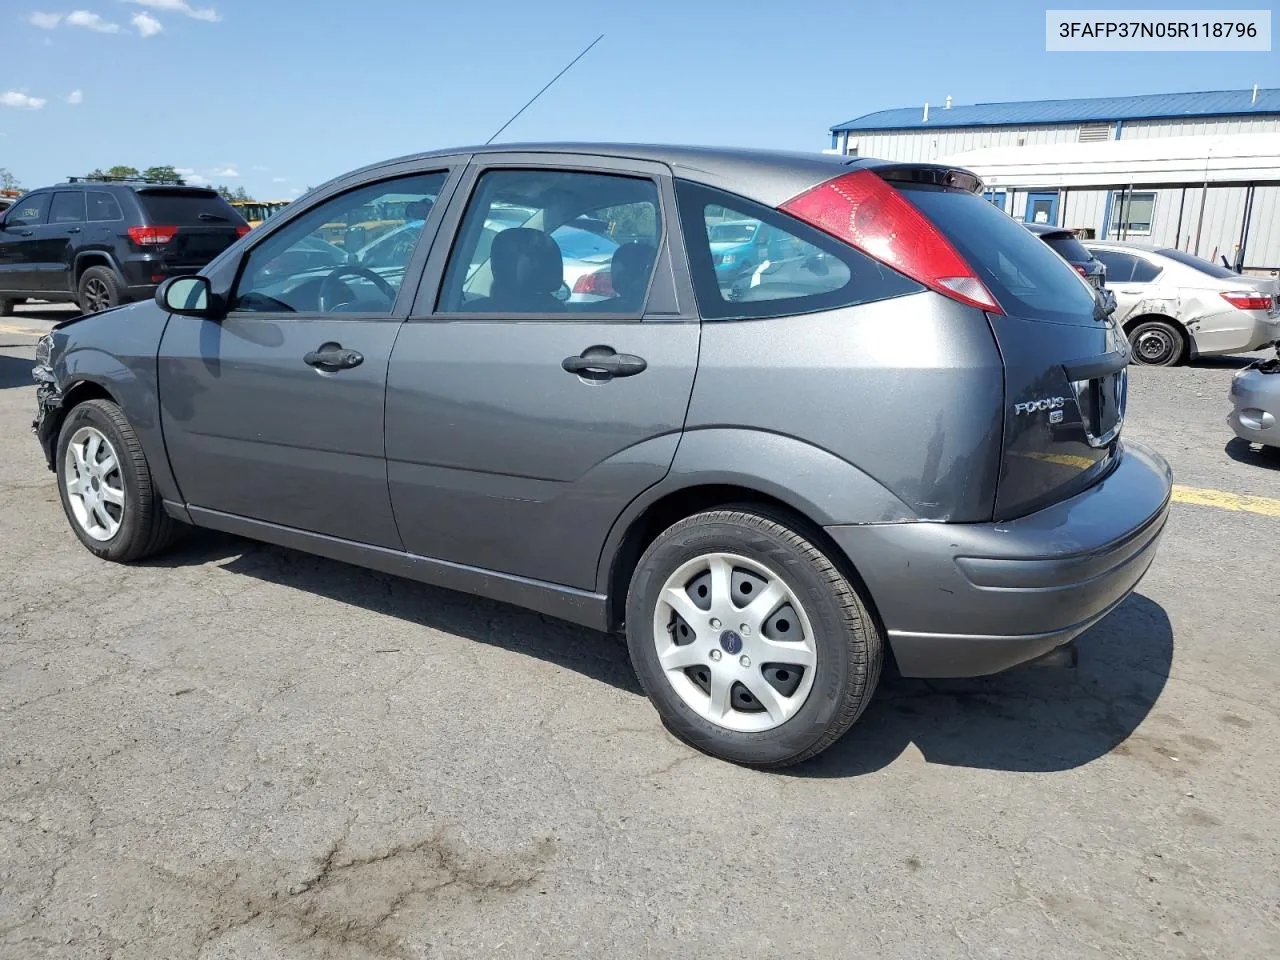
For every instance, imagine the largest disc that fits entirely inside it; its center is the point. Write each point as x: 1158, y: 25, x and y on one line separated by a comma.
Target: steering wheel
x: 334, y: 293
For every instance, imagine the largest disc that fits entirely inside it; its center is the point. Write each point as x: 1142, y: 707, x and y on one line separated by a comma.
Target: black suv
x: 104, y: 242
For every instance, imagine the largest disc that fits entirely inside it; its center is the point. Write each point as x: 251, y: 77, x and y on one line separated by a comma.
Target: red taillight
x: 865, y: 211
x: 152, y: 236
x: 243, y: 229
x: 599, y: 282
x: 1247, y: 301
x: 1080, y: 270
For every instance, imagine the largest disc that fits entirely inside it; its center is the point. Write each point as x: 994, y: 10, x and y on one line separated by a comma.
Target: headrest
x: 629, y: 270
x: 526, y: 260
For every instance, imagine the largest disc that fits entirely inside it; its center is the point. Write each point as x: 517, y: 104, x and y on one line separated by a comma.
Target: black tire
x: 6, y: 306
x: 1157, y: 343
x: 98, y: 290
x: 145, y: 527
x: 850, y: 649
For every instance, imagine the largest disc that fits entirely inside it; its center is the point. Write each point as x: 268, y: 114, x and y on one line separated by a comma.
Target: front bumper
x: 1255, y: 398
x: 964, y: 600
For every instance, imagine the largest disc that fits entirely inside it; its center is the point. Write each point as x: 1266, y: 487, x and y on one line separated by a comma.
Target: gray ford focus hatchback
x: 776, y: 417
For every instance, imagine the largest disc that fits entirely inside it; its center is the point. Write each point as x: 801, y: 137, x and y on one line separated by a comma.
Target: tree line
x: 165, y: 172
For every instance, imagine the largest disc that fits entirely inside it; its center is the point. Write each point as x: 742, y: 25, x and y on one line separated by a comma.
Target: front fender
x: 813, y: 482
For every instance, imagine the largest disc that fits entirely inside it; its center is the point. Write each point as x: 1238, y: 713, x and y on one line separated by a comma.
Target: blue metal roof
x: 1214, y: 103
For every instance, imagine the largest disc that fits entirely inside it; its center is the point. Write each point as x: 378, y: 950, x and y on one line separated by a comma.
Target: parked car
x: 101, y: 243
x: 913, y: 452
x: 1174, y: 306
x: 741, y: 247
x: 1064, y: 243
x: 1255, y: 401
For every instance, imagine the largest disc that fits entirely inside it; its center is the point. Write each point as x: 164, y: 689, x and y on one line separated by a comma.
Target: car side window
x: 750, y: 261
x: 67, y: 207
x: 103, y: 207
x: 555, y: 242
x: 1144, y: 271
x: 347, y: 255
x: 1119, y: 265
x: 29, y: 211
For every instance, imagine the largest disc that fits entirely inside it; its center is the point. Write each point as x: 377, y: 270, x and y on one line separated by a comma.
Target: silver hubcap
x: 95, y: 488
x: 1154, y: 345
x: 734, y: 642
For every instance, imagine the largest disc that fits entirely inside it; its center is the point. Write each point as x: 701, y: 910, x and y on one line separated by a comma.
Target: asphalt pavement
x: 238, y: 751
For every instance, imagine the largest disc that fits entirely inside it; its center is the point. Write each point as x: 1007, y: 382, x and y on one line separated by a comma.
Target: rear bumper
x: 963, y: 600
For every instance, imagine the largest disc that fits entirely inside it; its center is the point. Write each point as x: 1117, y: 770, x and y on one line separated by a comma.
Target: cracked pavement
x: 237, y: 752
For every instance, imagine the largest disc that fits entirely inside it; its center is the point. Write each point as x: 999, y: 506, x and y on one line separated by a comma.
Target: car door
x: 58, y: 238
x: 520, y: 422
x: 20, y: 243
x: 275, y: 412
x: 1133, y: 281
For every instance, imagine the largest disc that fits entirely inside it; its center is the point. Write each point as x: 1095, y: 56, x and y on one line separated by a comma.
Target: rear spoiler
x: 934, y: 174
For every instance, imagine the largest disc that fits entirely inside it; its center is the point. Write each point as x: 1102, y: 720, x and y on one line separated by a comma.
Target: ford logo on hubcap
x: 731, y: 642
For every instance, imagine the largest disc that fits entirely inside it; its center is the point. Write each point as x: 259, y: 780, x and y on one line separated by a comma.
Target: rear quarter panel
x: 904, y: 397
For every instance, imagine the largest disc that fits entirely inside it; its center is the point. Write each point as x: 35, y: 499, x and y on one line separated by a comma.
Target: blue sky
x: 276, y: 95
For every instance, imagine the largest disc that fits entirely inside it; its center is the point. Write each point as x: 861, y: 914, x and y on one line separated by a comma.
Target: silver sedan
x: 1255, y: 403
x: 1174, y: 306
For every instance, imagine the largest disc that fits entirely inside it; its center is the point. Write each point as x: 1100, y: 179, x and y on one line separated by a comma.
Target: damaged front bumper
x: 48, y: 403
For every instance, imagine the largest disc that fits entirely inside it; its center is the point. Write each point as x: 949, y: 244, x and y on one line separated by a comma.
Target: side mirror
x: 189, y: 297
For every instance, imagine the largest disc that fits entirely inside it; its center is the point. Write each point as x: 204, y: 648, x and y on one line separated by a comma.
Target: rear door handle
x: 73, y: 230
x: 604, y: 363
x: 25, y: 233
x: 332, y: 356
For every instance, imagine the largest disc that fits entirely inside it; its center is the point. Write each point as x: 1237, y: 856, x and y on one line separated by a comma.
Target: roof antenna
x: 1255, y: 95
x: 544, y: 89
x: 926, y: 112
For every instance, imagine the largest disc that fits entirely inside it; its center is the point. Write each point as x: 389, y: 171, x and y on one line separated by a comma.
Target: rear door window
x: 1025, y: 276
x: 750, y: 261
x: 1119, y: 265
x: 187, y: 207
x: 68, y: 207
x: 1068, y: 247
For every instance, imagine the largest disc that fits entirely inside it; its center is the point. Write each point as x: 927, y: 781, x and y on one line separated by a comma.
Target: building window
x: 1132, y: 214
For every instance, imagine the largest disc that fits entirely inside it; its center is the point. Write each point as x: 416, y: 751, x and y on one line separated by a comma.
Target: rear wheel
x: 99, y: 290
x: 105, y: 484
x: 750, y: 642
x: 1157, y: 343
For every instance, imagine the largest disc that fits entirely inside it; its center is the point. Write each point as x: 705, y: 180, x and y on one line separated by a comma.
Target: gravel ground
x: 242, y: 752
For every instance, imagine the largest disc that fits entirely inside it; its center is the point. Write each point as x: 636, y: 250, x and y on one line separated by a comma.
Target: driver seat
x: 528, y: 270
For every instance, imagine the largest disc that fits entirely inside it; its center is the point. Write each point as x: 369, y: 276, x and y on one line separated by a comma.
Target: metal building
x: 1198, y: 171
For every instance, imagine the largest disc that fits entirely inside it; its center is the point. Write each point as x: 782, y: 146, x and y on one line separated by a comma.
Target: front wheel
x: 106, y: 487
x: 1157, y: 343
x: 750, y: 642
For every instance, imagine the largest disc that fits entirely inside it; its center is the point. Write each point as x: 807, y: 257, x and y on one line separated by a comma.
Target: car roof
x: 769, y: 176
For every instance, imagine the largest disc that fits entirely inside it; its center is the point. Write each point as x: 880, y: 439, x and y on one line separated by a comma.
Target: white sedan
x: 1174, y: 306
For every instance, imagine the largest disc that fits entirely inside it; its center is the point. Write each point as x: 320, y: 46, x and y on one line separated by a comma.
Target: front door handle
x: 604, y: 363
x: 73, y: 230
x: 25, y: 233
x: 332, y: 356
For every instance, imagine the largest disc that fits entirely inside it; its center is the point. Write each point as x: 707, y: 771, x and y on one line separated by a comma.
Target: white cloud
x: 75, y: 98
x: 189, y: 175
x: 146, y: 24
x: 13, y: 98
x: 207, y: 14
x: 45, y: 21
x: 91, y: 21
x: 279, y: 179
x: 226, y: 172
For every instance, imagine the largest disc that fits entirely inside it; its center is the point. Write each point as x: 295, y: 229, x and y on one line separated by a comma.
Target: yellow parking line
x: 1266, y: 506
x: 23, y: 331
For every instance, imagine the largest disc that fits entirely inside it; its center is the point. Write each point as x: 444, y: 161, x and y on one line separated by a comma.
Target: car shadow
x: 1230, y: 362
x: 1029, y: 719
x: 1241, y: 451
x: 15, y: 372
x: 1025, y: 720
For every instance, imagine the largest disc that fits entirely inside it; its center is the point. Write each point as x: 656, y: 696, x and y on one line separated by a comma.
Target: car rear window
x: 1196, y: 263
x: 182, y: 207
x: 1068, y: 247
x: 1027, y: 278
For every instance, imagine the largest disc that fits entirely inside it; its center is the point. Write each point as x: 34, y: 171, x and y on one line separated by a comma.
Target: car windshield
x: 731, y: 232
x: 1196, y: 263
x: 1071, y: 249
